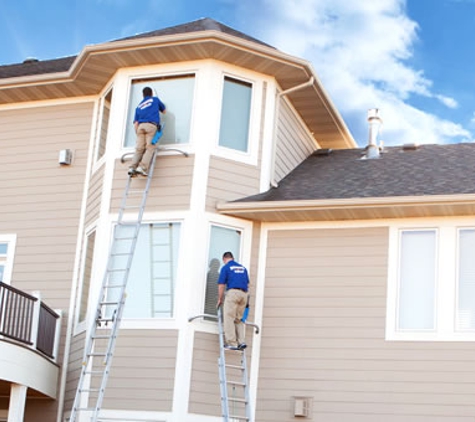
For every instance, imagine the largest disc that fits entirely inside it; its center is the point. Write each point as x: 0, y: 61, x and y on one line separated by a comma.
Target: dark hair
x: 228, y: 255
x: 147, y: 91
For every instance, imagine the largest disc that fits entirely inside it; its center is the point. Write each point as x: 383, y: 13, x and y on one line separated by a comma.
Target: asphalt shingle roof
x: 63, y: 64
x: 428, y: 170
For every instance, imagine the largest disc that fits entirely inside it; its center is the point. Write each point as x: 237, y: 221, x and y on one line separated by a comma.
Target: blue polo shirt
x: 234, y: 275
x: 148, y: 110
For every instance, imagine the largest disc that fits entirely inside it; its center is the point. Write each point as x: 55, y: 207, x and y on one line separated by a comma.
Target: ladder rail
x: 103, y: 304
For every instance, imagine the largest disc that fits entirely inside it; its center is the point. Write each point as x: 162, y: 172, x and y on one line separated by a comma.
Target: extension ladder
x: 104, y: 330
x: 233, y: 380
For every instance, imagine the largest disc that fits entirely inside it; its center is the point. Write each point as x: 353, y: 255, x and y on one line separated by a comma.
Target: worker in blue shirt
x: 234, y: 279
x: 146, y: 124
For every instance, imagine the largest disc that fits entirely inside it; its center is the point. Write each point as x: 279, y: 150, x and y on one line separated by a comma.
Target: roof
x: 90, y: 72
x: 400, y: 176
x: 63, y: 64
x: 203, y: 24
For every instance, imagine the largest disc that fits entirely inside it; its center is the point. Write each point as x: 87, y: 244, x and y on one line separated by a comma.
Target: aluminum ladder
x: 103, y: 333
x: 233, y: 380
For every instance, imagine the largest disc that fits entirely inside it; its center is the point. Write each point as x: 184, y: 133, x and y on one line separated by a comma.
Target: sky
x: 414, y: 60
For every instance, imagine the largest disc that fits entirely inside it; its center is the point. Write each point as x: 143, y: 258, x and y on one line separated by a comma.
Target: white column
x: 16, y: 410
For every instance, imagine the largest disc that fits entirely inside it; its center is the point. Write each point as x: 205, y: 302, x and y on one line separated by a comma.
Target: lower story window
x: 7, y: 251
x: 222, y: 239
x: 431, y: 284
x: 152, y: 277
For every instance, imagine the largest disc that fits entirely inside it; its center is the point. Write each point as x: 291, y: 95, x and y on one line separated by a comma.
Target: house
x: 361, y: 267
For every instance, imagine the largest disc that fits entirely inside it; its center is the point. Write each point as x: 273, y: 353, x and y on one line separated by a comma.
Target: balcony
x: 29, y: 341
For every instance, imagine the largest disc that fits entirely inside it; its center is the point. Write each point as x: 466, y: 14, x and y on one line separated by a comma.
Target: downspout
x: 279, y: 96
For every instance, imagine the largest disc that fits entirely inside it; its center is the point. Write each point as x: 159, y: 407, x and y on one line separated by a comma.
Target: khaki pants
x: 234, y: 329
x: 144, y: 148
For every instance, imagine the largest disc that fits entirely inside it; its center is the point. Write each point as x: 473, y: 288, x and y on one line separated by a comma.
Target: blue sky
x: 412, y: 59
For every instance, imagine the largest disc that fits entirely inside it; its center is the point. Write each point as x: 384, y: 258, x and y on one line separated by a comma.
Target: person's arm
x: 221, y: 288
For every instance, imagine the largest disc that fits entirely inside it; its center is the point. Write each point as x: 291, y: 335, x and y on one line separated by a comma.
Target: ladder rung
x: 94, y: 372
x: 238, y: 400
x: 96, y: 354
x: 101, y: 337
x: 90, y: 390
x: 243, y: 418
x: 236, y: 383
x: 113, y: 286
x: 234, y: 366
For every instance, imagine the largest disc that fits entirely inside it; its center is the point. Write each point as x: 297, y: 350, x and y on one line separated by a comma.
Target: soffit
x: 96, y: 65
x: 357, y: 209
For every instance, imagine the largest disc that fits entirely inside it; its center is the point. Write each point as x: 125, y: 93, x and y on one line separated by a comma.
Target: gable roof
x: 401, y: 177
x: 89, y: 73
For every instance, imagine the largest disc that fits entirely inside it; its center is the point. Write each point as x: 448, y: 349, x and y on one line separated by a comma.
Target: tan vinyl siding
x: 204, y: 391
x: 170, y: 188
x: 76, y: 355
x: 41, y: 203
x: 229, y: 180
x: 143, y: 371
x: 323, y: 337
x: 94, y: 195
x: 293, y: 142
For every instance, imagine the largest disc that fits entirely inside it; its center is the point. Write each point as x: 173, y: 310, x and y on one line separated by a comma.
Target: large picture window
x: 222, y: 239
x: 176, y: 92
x: 152, y: 277
x: 431, y: 284
x: 235, y: 114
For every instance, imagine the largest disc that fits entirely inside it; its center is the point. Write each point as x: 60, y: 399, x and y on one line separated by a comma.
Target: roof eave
x: 352, y: 208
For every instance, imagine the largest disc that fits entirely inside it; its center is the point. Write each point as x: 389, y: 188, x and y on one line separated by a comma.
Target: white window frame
x: 245, y: 227
x: 446, y: 285
x: 10, y: 240
x: 98, y: 129
x: 158, y: 323
x: 250, y: 156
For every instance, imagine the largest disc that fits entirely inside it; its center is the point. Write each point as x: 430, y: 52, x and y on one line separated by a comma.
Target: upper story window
x: 222, y: 239
x: 7, y: 250
x: 152, y: 277
x: 176, y: 92
x: 103, y: 124
x: 431, y: 284
x: 235, y: 114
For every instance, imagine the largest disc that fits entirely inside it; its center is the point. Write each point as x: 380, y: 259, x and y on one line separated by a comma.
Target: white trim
x: 75, y: 280
x: 258, y: 317
x: 48, y: 103
x: 10, y: 240
x: 268, y: 136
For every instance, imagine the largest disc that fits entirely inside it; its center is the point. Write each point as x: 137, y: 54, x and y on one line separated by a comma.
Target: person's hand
x: 220, y: 302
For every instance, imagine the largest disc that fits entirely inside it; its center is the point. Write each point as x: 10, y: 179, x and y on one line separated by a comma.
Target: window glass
x: 151, y: 283
x: 417, y: 275
x: 466, y: 280
x: 222, y: 239
x: 103, y: 124
x: 3, y: 259
x: 87, y: 274
x: 177, y: 95
x: 235, y: 114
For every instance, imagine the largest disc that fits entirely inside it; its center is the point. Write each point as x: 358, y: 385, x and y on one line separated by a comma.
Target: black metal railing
x: 27, y: 320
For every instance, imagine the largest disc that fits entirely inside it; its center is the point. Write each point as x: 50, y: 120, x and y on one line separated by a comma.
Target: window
x: 235, y: 114
x: 417, y: 280
x: 431, y: 283
x: 103, y: 124
x: 86, y: 275
x: 7, y: 250
x: 152, y: 277
x: 177, y: 94
x: 222, y: 239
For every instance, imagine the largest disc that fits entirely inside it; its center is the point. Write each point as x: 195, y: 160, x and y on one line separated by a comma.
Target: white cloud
x: 360, y: 49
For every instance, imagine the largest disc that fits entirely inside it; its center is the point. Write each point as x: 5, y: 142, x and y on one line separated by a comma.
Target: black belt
x: 242, y: 290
